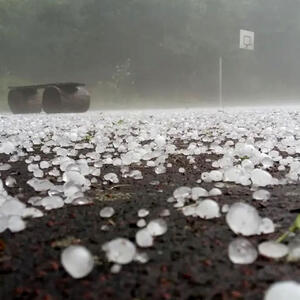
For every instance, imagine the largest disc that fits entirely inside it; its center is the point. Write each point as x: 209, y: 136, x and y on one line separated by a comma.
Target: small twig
x: 111, y: 222
x: 118, y: 185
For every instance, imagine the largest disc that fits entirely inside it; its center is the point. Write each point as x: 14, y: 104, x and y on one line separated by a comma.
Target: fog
x: 154, y: 53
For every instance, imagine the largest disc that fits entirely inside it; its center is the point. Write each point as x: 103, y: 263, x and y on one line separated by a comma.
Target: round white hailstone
x: 171, y: 200
x: 38, y: 173
x: 120, y: 251
x: 233, y: 174
x: 70, y: 188
x: 136, y: 174
x: 16, y: 157
x: 81, y: 201
x: 77, y: 261
x: 281, y: 168
x: 244, y: 149
x: 4, y: 167
x: 208, y: 209
x: 112, y: 177
x: 142, y: 213
x: 215, y: 192
x: 182, y: 192
x: 267, y: 162
x: 266, y: 226
x: 225, y: 208
x: 164, y: 213
x: 151, y: 163
x: 98, y: 164
x: 199, y: 192
x: 154, y: 182
x: 160, y: 141
x: 75, y: 177
x: 37, y: 158
x: 160, y: 170
x: 247, y: 164
x: 35, y: 201
x: 7, y: 147
x: 179, y: 204
x: 219, y: 185
x: 144, y: 238
x: 44, y: 165
x: 3, y: 223
x: 189, y: 210
x: 116, y: 268
x: 69, y: 166
x: 40, y: 185
x: 52, y: 202
x: 181, y: 170
x: 244, y: 180
x: 261, y: 195
x: 54, y: 172
x: 94, y: 180
x: 216, y: 175
x: 12, y: 207
x: 107, y: 212
x: 141, y: 223
x: 241, y: 251
x: 16, y: 224
x: 56, y: 191
x: 32, y: 212
x: 243, y: 218
x: 96, y: 172
x: 157, y: 227
x: 10, y: 181
x: 141, y: 257
x: 205, y: 176
x: 292, y: 176
x: 283, y: 290
x: 93, y: 155
x: 273, y: 249
x: 104, y: 227
x: 261, y: 177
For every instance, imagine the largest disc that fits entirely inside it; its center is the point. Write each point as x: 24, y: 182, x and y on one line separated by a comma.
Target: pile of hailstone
x: 247, y: 144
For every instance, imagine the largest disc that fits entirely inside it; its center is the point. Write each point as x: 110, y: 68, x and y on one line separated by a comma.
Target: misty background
x: 153, y: 53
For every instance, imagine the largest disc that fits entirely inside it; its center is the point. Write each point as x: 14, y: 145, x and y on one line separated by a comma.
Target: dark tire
x: 82, y: 99
x: 23, y: 102
x: 66, y: 100
x: 52, y: 102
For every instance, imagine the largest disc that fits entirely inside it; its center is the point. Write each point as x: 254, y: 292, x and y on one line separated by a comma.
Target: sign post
x: 221, y: 82
x: 246, y: 43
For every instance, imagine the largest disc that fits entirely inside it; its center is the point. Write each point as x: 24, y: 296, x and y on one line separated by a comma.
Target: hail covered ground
x: 165, y: 204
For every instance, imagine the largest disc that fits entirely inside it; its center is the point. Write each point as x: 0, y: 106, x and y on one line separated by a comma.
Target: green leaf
x: 297, y: 222
x: 295, y: 226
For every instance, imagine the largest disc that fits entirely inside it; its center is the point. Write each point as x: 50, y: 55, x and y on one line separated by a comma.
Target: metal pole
x: 221, y: 82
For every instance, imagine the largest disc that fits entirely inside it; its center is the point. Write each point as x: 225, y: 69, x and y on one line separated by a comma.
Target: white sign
x: 247, y: 39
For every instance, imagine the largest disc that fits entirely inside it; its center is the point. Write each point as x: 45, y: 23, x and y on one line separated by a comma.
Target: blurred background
x: 153, y: 53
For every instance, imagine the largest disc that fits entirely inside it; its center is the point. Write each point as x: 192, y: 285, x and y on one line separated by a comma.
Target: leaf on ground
x: 65, y: 242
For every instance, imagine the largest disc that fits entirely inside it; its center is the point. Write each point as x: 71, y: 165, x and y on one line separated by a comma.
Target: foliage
x: 293, y: 228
